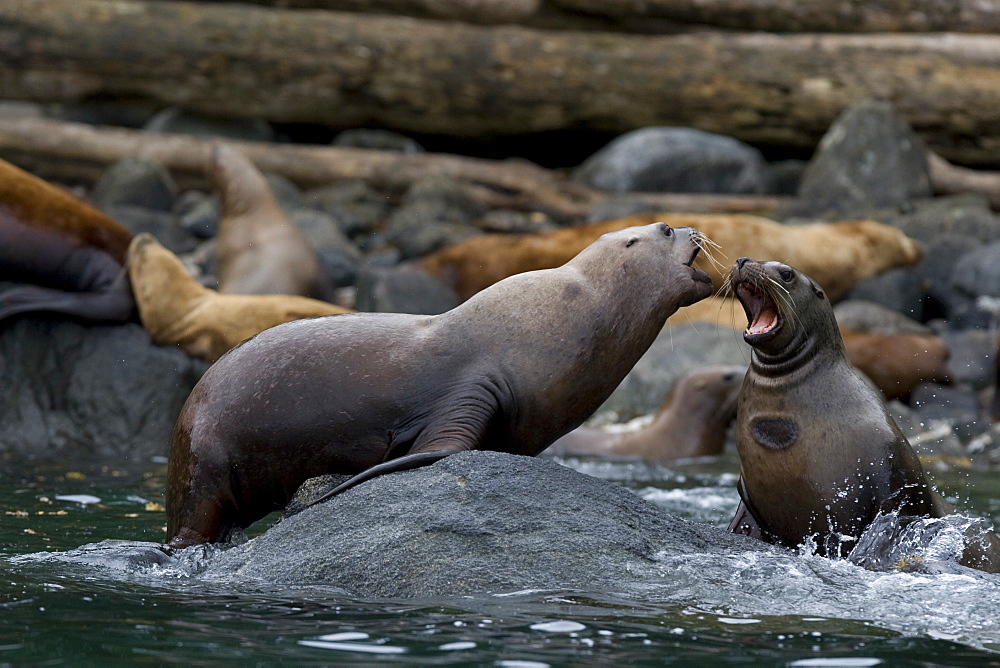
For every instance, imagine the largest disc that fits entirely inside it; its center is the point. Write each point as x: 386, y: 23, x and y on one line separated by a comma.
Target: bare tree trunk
x: 674, y: 15
x: 77, y: 152
x: 423, y: 76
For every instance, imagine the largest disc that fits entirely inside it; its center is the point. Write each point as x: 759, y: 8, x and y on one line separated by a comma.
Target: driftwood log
x: 80, y: 153
x: 422, y: 76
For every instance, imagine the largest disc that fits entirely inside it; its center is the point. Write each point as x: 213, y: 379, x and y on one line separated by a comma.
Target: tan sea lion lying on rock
x: 838, y: 255
x: 820, y: 456
x: 177, y: 310
x: 512, y: 369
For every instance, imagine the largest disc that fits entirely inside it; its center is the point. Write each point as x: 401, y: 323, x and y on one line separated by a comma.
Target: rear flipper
x: 404, y: 463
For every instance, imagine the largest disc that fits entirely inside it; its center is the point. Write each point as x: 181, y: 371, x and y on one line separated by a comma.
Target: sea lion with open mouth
x: 820, y: 456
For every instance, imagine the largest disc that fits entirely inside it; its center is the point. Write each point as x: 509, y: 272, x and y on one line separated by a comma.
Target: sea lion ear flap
x: 817, y: 290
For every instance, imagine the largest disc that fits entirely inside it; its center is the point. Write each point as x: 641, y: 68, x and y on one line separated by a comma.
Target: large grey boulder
x: 474, y: 522
x: 87, y: 397
x: 666, y: 159
x: 868, y: 161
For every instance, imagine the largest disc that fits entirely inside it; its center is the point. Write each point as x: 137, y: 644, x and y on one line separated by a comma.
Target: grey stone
x: 85, y: 398
x: 978, y: 272
x: 620, y: 206
x: 178, y: 121
x: 435, y: 213
x: 338, y: 256
x: 357, y: 208
x: 198, y: 213
x: 377, y: 140
x: 868, y: 160
x: 945, y: 402
x: 667, y: 159
x: 402, y: 288
x: 949, y: 217
x: 896, y: 289
x: 972, y: 355
x: 675, y: 352
x: 865, y: 316
x: 474, y: 522
x: 135, y: 182
x: 163, y: 225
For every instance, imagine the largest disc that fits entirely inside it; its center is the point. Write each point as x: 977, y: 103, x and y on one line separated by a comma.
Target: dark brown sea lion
x: 178, y: 310
x: 692, y: 422
x: 258, y: 250
x: 511, y: 370
x: 820, y: 456
x: 65, y: 255
x: 838, y: 255
x: 897, y: 363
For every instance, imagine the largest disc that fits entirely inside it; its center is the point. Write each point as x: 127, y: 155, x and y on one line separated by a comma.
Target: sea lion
x: 176, y: 309
x: 66, y: 255
x: 692, y: 422
x: 512, y: 370
x: 258, y: 250
x: 820, y: 455
x: 838, y: 255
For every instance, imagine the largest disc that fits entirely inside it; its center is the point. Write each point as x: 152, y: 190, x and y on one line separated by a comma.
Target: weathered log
x: 949, y: 179
x: 425, y: 76
x: 804, y: 15
x: 77, y: 152
x: 649, y: 16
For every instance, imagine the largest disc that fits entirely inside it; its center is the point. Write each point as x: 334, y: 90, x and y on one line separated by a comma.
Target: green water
x: 59, y: 613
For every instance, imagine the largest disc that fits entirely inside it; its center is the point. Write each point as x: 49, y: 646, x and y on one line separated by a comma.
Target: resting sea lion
x: 511, y: 370
x: 692, y: 422
x: 66, y: 254
x: 258, y: 250
x: 838, y: 255
x: 176, y: 309
x: 820, y: 456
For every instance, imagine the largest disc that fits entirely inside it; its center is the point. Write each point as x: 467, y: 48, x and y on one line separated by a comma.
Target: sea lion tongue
x: 762, y: 313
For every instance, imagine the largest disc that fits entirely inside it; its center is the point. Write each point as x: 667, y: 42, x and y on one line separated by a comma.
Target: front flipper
x: 404, y: 463
x: 743, y: 521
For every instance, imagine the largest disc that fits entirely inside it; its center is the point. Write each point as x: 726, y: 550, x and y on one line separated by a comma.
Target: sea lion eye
x: 786, y: 275
x: 631, y: 240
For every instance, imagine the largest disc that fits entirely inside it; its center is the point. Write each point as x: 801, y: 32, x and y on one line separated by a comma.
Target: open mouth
x: 762, y: 313
x: 694, y: 254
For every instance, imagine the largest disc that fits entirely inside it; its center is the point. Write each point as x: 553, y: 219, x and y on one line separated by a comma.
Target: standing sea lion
x: 177, y: 309
x: 258, y: 250
x: 511, y: 370
x: 820, y: 456
x: 66, y: 255
x: 692, y: 422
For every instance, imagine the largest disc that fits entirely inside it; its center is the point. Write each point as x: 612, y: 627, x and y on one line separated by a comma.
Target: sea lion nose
x: 666, y: 229
x: 742, y: 261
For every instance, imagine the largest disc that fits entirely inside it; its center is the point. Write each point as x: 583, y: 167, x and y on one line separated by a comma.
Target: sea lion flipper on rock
x: 512, y: 369
x: 404, y: 463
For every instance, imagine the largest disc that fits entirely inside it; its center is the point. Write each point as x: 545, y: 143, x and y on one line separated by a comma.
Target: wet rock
x: 377, y: 140
x: 179, y: 121
x: 949, y: 217
x: 896, y: 289
x: 474, y: 522
x: 978, y: 272
x: 287, y: 193
x: 869, y: 160
x: 198, y: 213
x: 945, y: 402
x: 402, y: 288
x: 338, y: 256
x: 674, y: 353
x: 135, y: 182
x: 666, y: 159
x: 866, y: 316
x: 163, y: 225
x: 357, y: 208
x: 972, y: 356
x: 87, y: 397
x: 435, y: 213
x: 786, y: 175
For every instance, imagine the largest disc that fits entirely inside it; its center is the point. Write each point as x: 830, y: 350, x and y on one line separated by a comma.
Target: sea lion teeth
x: 820, y: 457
